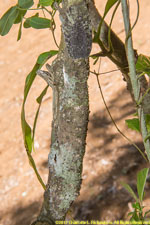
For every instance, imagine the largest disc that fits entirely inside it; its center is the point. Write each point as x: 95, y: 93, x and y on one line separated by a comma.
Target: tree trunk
x: 68, y: 139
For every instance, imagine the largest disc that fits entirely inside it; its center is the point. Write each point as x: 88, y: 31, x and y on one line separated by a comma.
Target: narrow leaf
x: 43, y: 93
x: 25, y: 4
x: 129, y: 189
x: 45, y: 56
x: 46, y: 2
x: 21, y: 14
x: 135, y: 217
x: 27, y: 21
x: 136, y: 206
x: 26, y: 24
x: 133, y: 124
x: 20, y: 31
x: 39, y: 101
x: 32, y: 163
x: 30, y: 78
x: 130, y: 213
x: 95, y: 61
x: 41, y: 60
x: 8, y: 20
x: 28, y: 83
x: 143, y: 64
x: 147, y: 212
x: 109, y: 5
x: 147, y: 137
x: 28, y: 134
x: 141, y: 180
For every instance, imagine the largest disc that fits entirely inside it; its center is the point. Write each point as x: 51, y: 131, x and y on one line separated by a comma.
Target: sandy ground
x: 109, y: 158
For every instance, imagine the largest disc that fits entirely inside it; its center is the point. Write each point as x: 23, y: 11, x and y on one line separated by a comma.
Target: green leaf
x: 135, y: 217
x: 143, y: 64
x: 130, y: 213
x: 27, y: 133
x: 133, y: 124
x: 147, y: 212
x: 27, y: 21
x: 28, y: 83
x: 129, y: 189
x: 96, y: 60
x: 20, y: 31
x: 40, y: 98
x: 26, y: 24
x: 25, y: 4
x: 37, y: 22
x: 8, y: 20
x: 147, y: 137
x: 109, y: 5
x: 46, y: 2
x: 45, y: 56
x: 137, y: 206
x: 39, y: 101
x: 21, y: 14
x: 141, y: 180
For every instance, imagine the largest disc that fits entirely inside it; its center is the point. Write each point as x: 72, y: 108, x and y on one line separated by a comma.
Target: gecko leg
x: 48, y: 76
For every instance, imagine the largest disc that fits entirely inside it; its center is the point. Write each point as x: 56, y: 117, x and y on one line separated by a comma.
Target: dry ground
x: 109, y: 158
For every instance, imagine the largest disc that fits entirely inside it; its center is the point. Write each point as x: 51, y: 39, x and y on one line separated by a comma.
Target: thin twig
x: 104, y: 72
x: 110, y: 46
x: 128, y: 139
x: 52, y: 14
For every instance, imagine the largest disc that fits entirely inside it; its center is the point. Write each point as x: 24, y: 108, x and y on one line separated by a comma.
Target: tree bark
x: 68, y: 139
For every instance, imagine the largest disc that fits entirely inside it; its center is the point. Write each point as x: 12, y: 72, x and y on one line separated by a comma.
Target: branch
x: 133, y: 76
x: 118, y: 54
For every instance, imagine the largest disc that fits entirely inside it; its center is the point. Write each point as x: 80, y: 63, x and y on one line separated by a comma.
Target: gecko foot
x: 47, y: 75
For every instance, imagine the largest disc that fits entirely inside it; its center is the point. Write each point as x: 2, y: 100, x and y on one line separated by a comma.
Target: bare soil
x: 109, y: 158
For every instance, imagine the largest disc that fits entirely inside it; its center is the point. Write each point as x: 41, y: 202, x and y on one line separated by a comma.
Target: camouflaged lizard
x: 76, y: 27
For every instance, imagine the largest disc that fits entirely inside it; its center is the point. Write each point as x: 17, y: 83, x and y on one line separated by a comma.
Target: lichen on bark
x: 67, y: 151
x: 68, y: 138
